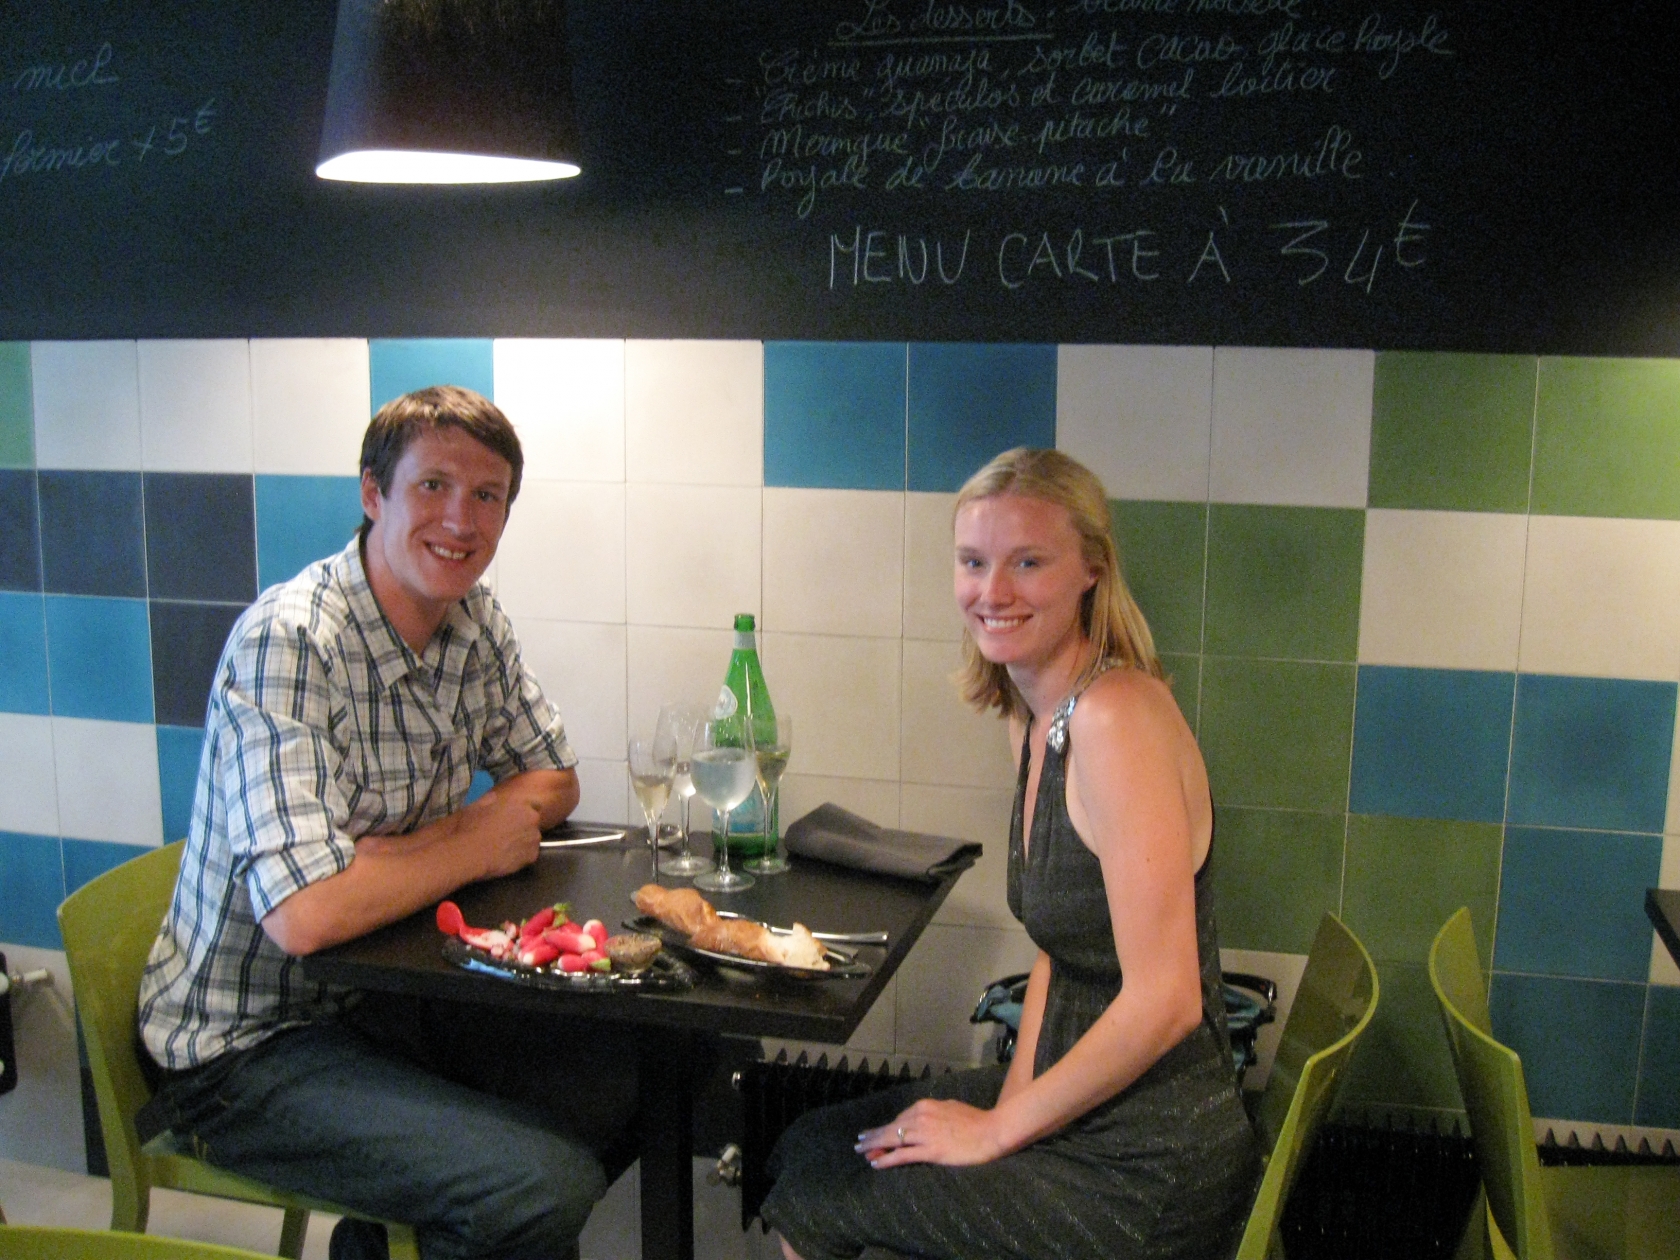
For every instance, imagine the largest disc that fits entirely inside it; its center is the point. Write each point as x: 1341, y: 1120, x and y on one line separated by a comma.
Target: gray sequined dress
x: 1164, y: 1169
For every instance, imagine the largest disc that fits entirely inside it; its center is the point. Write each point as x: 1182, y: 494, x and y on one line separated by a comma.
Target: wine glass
x: 653, y: 765
x: 683, y: 722
x: 724, y: 771
x: 772, y: 745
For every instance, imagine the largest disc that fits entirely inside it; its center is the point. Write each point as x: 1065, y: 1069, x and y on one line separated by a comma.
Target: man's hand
x: 509, y: 825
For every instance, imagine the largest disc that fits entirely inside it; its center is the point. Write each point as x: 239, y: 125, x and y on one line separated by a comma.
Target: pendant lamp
x: 449, y: 92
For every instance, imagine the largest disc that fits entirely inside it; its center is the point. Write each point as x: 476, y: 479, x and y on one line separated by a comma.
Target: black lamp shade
x: 477, y: 79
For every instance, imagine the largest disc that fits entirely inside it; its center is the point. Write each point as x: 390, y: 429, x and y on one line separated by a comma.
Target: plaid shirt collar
x: 391, y: 660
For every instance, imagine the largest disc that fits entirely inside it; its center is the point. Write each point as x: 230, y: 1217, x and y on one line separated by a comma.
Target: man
x: 349, y: 711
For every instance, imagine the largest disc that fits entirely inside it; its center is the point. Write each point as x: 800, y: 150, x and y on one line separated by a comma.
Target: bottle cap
x: 743, y: 623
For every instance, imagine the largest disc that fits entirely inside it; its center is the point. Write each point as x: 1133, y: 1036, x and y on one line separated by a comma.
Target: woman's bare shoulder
x: 1127, y: 705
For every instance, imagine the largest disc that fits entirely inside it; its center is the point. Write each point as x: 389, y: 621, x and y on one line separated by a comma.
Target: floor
x: 33, y: 1195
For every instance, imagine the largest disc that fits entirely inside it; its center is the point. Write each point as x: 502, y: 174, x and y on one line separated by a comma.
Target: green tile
x: 1277, y: 733
x: 1284, y: 581
x: 17, y: 407
x: 1184, y: 676
x: 1275, y: 873
x: 1452, y: 432
x: 1607, y: 439
x: 1407, y: 876
x: 1403, y: 1058
x: 1161, y: 549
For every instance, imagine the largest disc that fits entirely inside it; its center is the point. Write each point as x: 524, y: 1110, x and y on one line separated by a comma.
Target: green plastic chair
x: 108, y: 927
x: 1526, y: 1211
x: 1331, y: 1011
x: 39, y: 1242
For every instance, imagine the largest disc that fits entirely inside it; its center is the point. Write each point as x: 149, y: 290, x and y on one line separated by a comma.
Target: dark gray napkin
x: 832, y: 834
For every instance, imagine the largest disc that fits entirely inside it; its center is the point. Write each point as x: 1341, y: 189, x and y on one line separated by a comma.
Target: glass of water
x: 724, y: 771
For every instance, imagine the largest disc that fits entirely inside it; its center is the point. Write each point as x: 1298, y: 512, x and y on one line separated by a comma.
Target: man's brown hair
x: 403, y: 419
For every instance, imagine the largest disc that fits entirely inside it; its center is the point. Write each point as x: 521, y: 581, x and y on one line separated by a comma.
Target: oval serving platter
x: 666, y: 974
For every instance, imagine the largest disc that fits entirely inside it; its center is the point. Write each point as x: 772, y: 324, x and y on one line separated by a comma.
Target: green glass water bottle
x: 744, y: 692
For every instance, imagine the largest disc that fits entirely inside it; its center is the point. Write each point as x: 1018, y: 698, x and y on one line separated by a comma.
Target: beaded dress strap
x: 1057, y: 735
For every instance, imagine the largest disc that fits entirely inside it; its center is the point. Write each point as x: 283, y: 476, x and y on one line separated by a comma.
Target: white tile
x: 195, y: 406
x: 877, y: 1032
x: 946, y: 742
x: 108, y: 781
x: 1285, y: 970
x: 28, y: 802
x: 1663, y: 968
x: 694, y: 412
x: 311, y: 399
x: 1140, y: 417
x: 566, y: 400
x: 562, y: 553
x: 833, y: 561
x: 87, y: 404
x: 604, y: 792
x: 930, y: 608
x: 692, y: 554
x: 1291, y: 426
x: 942, y: 979
x: 843, y: 693
x: 1601, y: 598
x: 874, y: 799
x: 581, y: 666
x: 670, y: 664
x: 1442, y: 590
x: 981, y: 896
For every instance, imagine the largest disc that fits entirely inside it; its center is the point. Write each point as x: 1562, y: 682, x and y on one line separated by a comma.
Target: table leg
x: 666, y: 1100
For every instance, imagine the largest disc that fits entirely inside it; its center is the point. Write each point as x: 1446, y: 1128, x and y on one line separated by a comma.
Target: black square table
x: 597, y: 881
x: 1662, y: 906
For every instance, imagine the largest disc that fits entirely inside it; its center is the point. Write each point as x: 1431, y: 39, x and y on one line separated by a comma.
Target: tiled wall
x: 1423, y: 611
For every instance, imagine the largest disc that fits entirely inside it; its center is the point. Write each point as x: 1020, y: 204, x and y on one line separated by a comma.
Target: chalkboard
x: 1450, y: 175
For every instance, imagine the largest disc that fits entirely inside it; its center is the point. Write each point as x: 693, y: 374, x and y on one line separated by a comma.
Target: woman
x: 1118, y: 1130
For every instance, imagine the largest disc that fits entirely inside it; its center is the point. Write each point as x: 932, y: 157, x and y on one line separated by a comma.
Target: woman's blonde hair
x: 1108, y: 614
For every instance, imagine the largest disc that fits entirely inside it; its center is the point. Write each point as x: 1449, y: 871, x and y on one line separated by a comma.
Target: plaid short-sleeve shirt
x: 323, y: 726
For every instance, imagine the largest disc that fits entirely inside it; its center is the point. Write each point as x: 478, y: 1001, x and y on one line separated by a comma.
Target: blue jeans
x: 492, y: 1133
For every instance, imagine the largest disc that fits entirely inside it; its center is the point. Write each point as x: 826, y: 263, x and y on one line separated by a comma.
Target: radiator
x: 776, y: 1092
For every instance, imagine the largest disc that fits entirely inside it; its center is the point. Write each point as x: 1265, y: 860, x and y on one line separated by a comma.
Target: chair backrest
x: 38, y: 1242
x: 1332, y: 1008
x: 108, y: 926
x: 1490, y: 1077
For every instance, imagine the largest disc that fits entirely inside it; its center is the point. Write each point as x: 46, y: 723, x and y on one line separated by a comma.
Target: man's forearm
x: 391, y: 877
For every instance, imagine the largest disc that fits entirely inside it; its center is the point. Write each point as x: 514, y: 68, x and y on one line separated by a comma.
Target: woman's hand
x: 933, y: 1131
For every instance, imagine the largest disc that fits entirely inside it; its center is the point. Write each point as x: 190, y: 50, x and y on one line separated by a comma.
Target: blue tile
x: 301, y: 520
x: 834, y: 414
x: 23, y: 654
x: 20, y: 531
x: 200, y: 537
x: 188, y: 640
x: 99, y: 656
x: 1659, y: 1064
x: 1578, y: 1040
x: 87, y: 860
x: 33, y: 877
x: 1591, y: 752
x: 93, y: 539
x: 1431, y: 743
x: 398, y: 367
x: 1571, y: 903
x: 179, y: 750
x: 969, y: 402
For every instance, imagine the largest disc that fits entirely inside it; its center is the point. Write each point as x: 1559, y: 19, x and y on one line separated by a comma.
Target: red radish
x: 573, y: 962
x: 592, y: 956
x: 538, y: 954
x: 537, y: 923
x: 449, y: 918
x: 601, y: 964
x: 569, y: 942
x: 598, y: 930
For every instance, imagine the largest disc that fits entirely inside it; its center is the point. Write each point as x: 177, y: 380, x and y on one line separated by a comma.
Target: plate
x: 665, y: 974
x: 841, y: 965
